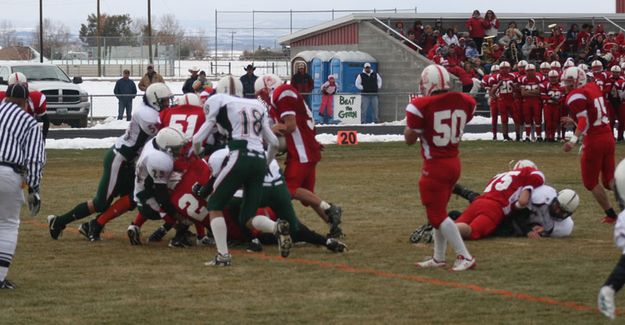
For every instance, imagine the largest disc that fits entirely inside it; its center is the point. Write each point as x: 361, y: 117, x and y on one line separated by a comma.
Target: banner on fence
x: 347, y: 109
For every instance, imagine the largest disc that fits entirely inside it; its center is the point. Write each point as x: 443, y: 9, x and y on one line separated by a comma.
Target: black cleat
x: 220, y: 260
x: 83, y: 229
x: 158, y: 234
x: 254, y: 246
x: 94, y: 230
x: 335, y: 245
x: 283, y: 234
x: 335, y: 213
x: 6, y: 284
x: 422, y: 234
x: 134, y: 235
x: 55, y: 230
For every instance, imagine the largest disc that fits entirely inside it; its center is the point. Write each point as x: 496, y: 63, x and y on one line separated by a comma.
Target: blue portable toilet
x: 319, y: 71
x: 346, y: 65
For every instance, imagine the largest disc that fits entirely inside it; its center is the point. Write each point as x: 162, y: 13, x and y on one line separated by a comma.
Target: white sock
x: 324, y: 205
x: 440, y: 245
x: 451, y: 233
x: 220, y: 233
x: 264, y: 224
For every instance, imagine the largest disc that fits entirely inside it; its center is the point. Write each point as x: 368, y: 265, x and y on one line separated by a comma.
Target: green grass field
x: 517, y: 280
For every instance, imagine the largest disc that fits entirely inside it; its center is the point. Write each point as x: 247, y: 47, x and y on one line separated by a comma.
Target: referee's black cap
x: 17, y: 91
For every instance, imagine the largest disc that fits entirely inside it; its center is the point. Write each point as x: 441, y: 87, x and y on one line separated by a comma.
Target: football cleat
x: 430, y: 263
x: 6, y: 284
x: 282, y: 233
x: 220, y: 260
x: 463, y: 264
x: 95, y: 230
x: 158, y: 234
x: 83, y: 229
x: 55, y: 230
x: 254, y: 246
x: 205, y: 241
x: 134, y: 235
x: 422, y: 233
x: 335, y: 245
x: 334, y: 213
x: 605, y: 302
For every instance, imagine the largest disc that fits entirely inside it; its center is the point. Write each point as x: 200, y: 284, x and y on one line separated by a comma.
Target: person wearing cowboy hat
x: 248, y: 80
x: 188, y: 84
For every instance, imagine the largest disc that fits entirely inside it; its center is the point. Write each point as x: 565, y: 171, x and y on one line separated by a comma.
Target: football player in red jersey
x: 504, y: 86
x: 618, y: 86
x: 294, y: 121
x: 484, y: 214
x: 438, y: 120
x: 487, y: 83
x: 532, y: 110
x: 586, y: 102
x: 602, y: 79
x: 552, y: 95
x: 37, y: 102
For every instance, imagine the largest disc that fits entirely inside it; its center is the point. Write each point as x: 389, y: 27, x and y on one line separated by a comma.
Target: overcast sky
x: 195, y: 13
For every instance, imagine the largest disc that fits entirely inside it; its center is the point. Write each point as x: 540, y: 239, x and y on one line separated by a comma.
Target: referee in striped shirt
x: 22, y: 157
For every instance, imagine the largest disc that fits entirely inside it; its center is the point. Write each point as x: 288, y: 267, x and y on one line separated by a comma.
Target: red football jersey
x: 301, y: 144
x: 503, y: 187
x: 601, y: 79
x: 186, y: 118
x: 552, y: 94
x: 37, y: 102
x: 182, y: 197
x: 588, y: 101
x: 506, y: 85
x: 440, y: 121
x: 530, y: 84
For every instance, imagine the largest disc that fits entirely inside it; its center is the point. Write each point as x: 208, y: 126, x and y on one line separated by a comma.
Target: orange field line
x: 389, y: 275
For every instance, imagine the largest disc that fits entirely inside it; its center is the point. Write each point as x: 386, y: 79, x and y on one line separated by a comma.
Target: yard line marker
x: 389, y: 275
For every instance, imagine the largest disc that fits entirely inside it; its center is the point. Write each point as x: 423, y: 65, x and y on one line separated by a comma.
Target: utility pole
x: 41, y: 31
x: 232, y: 44
x: 97, y: 37
x: 150, y: 60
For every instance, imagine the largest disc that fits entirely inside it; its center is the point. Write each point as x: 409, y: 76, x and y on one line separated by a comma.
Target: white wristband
x: 573, y: 139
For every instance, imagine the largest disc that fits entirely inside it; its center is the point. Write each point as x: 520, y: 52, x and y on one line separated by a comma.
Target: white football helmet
x: 504, y: 64
x: 574, y: 77
x: 524, y: 163
x: 554, y: 74
x: 567, y: 201
x: 230, y: 85
x: 434, y: 78
x: 494, y: 68
x: 596, y: 66
x: 530, y: 67
x: 583, y: 66
x: 568, y: 63
x: 190, y: 99
x: 556, y: 65
x: 545, y: 66
x: 615, y: 69
x: 267, y: 83
x: 17, y: 78
x: 522, y: 64
x: 619, y: 183
x: 170, y: 140
x: 158, y: 96
x: 216, y: 160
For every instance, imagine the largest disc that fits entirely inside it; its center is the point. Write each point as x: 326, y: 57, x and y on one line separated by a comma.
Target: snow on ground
x: 326, y: 139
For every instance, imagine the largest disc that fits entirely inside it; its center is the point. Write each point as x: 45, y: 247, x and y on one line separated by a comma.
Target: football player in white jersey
x: 248, y: 129
x: 616, y: 279
x: 118, y: 166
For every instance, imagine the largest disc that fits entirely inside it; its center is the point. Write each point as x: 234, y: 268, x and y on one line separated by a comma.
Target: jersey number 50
x: 449, y: 127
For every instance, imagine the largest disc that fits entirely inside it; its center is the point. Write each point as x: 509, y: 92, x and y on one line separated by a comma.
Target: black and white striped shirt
x: 21, y: 142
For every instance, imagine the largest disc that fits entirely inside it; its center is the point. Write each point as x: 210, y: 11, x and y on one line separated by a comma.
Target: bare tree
x: 194, y: 46
x: 7, y: 33
x: 56, y: 38
x: 169, y: 30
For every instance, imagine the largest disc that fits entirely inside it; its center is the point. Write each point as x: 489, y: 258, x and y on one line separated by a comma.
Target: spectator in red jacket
x: 417, y: 29
x: 476, y: 25
x: 302, y: 81
x: 428, y: 40
x: 492, y: 24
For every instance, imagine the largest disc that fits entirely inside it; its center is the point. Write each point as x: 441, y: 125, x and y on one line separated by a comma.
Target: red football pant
x: 532, y: 112
x: 438, y: 178
x: 552, y: 120
x: 507, y: 108
x: 299, y: 175
x: 494, y: 112
x: 598, y: 157
x: 483, y: 215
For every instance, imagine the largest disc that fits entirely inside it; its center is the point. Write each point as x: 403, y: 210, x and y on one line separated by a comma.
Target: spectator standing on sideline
x: 188, y: 84
x: 149, y: 78
x: 369, y: 82
x: 328, y: 89
x: 124, y: 87
x: 476, y: 25
x: 450, y: 37
x: 302, y: 81
x: 22, y: 158
x: 492, y: 24
x: 248, y: 80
